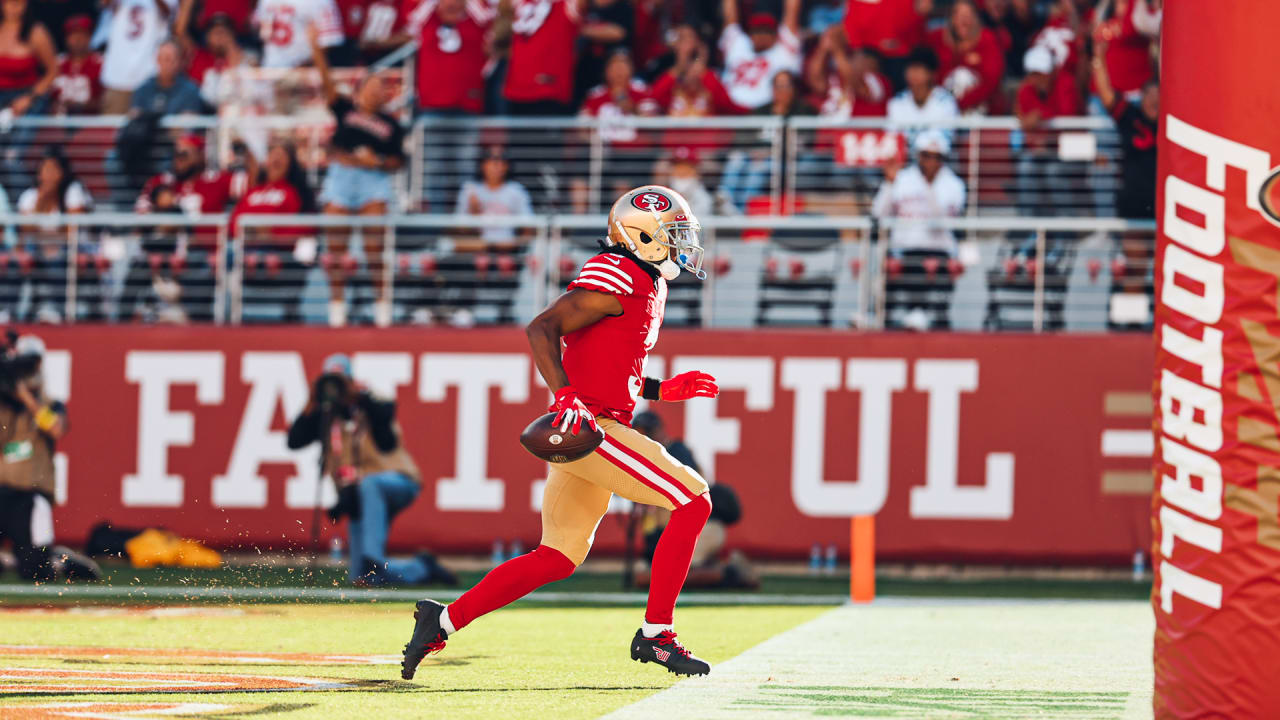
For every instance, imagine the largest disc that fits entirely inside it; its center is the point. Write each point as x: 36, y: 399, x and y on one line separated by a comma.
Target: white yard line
x: 933, y: 658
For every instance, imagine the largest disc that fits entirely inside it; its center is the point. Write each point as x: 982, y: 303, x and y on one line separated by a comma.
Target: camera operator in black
x: 29, y: 426
x: 375, y: 476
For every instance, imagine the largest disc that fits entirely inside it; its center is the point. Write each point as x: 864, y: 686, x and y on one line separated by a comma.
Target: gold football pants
x: 627, y: 463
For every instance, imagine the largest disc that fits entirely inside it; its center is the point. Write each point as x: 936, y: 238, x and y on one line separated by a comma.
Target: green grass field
x: 952, y: 651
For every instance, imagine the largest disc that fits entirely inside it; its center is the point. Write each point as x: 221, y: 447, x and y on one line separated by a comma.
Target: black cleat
x: 666, y: 651
x: 428, y: 636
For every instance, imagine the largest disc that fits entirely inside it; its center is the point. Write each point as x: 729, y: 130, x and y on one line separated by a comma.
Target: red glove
x: 570, y: 410
x: 688, y: 385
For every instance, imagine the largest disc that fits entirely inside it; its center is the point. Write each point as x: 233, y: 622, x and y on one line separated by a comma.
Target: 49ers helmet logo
x: 652, y: 201
x: 1269, y: 197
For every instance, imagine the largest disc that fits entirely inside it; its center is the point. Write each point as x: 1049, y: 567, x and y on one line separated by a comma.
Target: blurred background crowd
x: 164, y: 106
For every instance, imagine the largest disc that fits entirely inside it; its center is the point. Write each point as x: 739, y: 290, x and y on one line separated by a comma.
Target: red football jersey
x: 891, y: 27
x: 77, y: 86
x: 985, y: 61
x: 274, y: 197
x: 605, y: 360
x: 451, y: 58
x: 202, y: 61
x: 209, y: 192
x: 544, y: 51
x: 352, y: 13
x: 1128, y: 55
x: 212, y: 191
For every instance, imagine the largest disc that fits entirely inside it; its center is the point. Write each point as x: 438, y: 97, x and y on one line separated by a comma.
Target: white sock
x: 652, y: 630
x: 446, y: 623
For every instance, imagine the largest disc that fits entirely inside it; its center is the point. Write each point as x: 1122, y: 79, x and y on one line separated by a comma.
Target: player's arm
x: 572, y: 311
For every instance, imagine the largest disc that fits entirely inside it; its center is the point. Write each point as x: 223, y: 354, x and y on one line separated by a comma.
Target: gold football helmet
x: 656, y: 224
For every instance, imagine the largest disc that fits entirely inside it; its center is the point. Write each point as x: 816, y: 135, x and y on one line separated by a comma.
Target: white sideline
x: 1023, y: 652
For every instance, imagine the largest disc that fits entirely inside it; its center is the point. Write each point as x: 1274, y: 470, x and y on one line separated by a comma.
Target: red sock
x: 509, y: 582
x: 672, y: 557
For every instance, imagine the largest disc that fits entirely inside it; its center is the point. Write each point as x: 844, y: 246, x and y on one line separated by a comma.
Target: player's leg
x: 571, y: 510
x: 641, y: 470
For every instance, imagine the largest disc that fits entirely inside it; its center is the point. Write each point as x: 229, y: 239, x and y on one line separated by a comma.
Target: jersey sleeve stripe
x: 609, y: 269
x: 622, y: 285
x: 592, y: 283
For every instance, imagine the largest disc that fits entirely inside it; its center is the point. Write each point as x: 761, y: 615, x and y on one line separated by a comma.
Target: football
x: 546, y: 441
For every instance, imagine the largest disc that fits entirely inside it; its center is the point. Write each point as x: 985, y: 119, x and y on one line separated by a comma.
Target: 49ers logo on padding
x: 652, y: 201
x: 1269, y: 197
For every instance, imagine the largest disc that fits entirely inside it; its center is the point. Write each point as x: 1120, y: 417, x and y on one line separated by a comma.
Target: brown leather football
x: 545, y: 440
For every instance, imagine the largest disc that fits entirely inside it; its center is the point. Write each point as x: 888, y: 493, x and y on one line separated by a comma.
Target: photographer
x: 29, y: 426
x: 375, y: 476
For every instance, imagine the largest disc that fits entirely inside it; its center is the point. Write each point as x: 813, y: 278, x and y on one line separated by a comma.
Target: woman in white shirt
x: 45, y: 241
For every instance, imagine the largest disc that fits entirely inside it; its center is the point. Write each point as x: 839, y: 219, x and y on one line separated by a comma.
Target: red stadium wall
x: 1015, y: 447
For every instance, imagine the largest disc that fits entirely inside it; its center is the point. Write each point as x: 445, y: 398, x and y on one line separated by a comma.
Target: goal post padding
x: 1216, y: 549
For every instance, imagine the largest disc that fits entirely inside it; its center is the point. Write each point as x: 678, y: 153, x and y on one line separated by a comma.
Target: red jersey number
x: 282, y: 27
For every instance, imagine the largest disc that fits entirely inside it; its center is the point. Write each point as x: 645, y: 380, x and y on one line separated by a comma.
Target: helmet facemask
x: 684, y: 248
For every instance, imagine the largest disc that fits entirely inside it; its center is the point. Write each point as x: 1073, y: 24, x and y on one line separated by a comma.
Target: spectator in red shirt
x: 1047, y: 186
x: 1063, y: 37
x: 540, y: 73
x: 691, y: 89
x: 451, y: 55
x: 890, y: 27
x: 970, y: 60
x: 1125, y: 28
x: 277, y: 259
x: 189, y: 255
x: 621, y: 95
x: 77, y: 90
x: 374, y: 27
x: 200, y: 190
x: 846, y: 83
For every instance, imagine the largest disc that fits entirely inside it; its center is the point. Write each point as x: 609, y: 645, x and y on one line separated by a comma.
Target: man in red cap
x: 77, y: 89
x: 199, y: 190
x: 751, y: 61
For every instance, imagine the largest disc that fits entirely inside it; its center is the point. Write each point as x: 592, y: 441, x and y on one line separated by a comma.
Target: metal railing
x: 1033, y: 274
x: 731, y: 165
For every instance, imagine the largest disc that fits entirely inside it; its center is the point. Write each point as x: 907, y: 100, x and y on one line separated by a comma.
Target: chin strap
x: 669, y: 269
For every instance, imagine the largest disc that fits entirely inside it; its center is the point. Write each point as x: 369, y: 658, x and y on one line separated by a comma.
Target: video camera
x: 332, y: 393
x: 14, y: 364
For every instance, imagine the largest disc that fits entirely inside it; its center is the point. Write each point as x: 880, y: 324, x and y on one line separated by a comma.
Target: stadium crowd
x: 552, y: 57
x: 913, y: 62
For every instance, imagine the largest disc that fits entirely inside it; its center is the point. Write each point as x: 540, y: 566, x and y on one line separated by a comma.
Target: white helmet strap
x: 625, y: 234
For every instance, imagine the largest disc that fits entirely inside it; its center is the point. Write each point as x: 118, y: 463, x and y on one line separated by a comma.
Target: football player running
x: 606, y: 323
